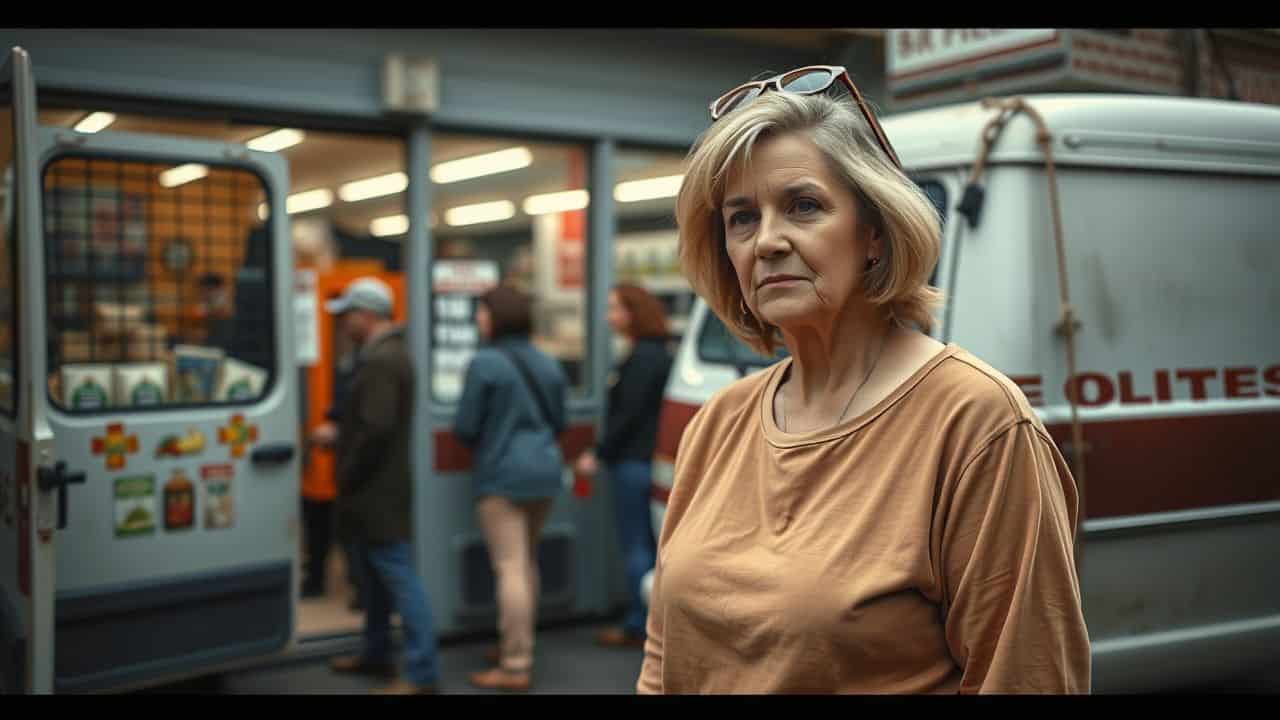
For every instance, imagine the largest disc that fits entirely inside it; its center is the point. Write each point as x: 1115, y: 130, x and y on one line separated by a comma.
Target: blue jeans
x: 390, y: 581
x: 631, y: 491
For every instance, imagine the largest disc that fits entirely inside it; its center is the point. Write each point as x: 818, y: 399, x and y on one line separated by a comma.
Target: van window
x: 158, y: 285
x: 510, y: 210
x: 937, y: 194
x: 717, y: 345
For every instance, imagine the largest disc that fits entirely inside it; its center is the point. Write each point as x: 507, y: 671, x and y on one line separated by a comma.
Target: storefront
x: 442, y: 160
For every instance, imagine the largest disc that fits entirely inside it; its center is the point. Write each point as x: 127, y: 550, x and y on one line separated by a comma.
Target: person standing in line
x: 630, y: 435
x: 375, y: 491
x: 510, y: 414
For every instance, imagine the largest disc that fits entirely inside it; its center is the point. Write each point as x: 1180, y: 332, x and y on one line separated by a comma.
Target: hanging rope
x: 1067, y: 324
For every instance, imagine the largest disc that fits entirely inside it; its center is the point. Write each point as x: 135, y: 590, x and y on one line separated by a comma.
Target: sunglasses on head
x: 809, y: 80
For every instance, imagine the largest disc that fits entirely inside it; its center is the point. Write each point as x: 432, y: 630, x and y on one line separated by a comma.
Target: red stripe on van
x: 1135, y: 467
x: 672, y: 420
x: 452, y: 456
x: 659, y: 493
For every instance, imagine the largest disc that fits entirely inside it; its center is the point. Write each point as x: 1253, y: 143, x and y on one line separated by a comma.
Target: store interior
x: 516, y: 202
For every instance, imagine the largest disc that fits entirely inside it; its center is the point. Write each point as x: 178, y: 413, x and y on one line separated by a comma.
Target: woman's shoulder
x: 965, y: 384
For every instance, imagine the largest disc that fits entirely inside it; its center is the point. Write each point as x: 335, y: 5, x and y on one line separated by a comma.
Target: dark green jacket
x: 374, y: 473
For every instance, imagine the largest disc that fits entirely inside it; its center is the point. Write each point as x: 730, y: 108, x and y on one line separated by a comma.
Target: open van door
x: 26, y: 517
x: 155, y: 442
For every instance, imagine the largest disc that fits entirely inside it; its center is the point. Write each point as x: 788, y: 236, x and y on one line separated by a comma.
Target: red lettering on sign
x: 1030, y: 386
x: 1126, y: 391
x: 1272, y: 376
x: 905, y: 47
x: 924, y: 40
x: 1237, y: 385
x: 1164, y: 386
x: 1104, y: 392
x: 1197, y: 379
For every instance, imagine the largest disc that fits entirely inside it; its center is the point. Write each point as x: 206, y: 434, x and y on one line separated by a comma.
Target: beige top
x: 924, y: 546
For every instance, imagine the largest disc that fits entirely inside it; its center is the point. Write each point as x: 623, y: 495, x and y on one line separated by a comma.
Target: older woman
x: 879, y: 512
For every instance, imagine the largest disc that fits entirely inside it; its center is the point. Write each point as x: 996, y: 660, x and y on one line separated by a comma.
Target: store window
x: 508, y: 210
x: 158, y: 282
x: 645, y: 249
x: 8, y: 259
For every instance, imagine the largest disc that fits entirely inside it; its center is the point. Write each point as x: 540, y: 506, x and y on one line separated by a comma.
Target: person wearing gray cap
x: 375, y: 489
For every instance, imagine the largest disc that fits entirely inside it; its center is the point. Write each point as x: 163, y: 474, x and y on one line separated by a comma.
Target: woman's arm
x: 1011, y: 595
x: 473, y: 404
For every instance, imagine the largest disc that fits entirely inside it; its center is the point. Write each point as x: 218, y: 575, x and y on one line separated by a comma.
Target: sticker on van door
x: 219, y: 496
x: 135, y: 505
x: 238, y: 434
x: 116, y: 446
x: 179, y: 502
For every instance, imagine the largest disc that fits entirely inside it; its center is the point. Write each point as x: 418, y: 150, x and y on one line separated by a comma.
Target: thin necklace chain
x: 782, y: 407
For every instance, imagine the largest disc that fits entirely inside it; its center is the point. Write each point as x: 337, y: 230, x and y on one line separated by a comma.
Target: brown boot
x: 617, y: 637
x: 404, y: 687
x: 356, y: 665
x: 500, y: 679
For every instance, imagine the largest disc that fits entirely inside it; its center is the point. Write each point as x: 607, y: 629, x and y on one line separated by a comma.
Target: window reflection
x: 513, y: 211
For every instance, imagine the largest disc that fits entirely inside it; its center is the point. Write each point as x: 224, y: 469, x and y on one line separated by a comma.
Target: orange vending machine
x: 318, y: 482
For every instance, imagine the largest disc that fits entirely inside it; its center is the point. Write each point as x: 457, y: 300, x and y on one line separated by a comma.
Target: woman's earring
x: 742, y: 305
x: 872, y: 263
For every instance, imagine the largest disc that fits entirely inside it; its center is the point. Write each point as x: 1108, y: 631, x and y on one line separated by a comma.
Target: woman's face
x: 484, y: 321
x: 619, y: 317
x: 792, y: 232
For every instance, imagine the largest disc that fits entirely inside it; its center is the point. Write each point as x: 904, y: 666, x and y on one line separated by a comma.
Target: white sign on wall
x: 455, y: 285
x: 306, y: 317
x: 913, y: 53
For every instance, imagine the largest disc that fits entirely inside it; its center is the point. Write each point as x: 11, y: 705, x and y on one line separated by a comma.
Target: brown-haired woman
x: 511, y: 412
x: 630, y: 433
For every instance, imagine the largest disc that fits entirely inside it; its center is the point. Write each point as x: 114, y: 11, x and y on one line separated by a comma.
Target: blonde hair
x: 907, y: 221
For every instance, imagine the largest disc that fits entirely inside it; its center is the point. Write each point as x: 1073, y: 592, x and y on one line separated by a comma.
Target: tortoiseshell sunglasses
x: 809, y: 80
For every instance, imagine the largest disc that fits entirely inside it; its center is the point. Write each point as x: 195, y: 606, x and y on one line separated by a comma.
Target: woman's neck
x: 831, y: 359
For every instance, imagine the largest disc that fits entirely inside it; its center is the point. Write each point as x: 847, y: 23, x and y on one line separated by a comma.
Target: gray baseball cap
x: 366, y: 293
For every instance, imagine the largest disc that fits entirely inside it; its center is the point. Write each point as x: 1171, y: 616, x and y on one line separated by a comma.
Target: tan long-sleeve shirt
x: 924, y: 546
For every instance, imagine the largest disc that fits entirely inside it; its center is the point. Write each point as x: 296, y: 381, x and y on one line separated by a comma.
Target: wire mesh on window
x: 158, y: 284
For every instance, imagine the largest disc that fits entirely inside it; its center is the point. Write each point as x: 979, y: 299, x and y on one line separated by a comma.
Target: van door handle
x: 57, y: 478
x: 272, y: 454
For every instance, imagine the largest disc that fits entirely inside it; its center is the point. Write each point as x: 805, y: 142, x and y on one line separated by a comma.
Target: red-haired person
x: 630, y: 432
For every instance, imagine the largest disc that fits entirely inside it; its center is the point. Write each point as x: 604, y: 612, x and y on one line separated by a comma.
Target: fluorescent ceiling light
x: 390, y: 225
x: 308, y: 201
x: 480, y: 213
x: 277, y: 140
x: 556, y: 202
x: 478, y: 165
x: 95, y: 122
x: 651, y: 189
x: 373, y: 187
x: 182, y: 175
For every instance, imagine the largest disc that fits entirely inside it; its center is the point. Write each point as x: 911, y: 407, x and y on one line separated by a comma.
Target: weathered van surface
x: 1170, y: 216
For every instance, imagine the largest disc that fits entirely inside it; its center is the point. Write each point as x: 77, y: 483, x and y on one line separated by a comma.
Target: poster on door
x: 455, y: 285
x: 306, y: 317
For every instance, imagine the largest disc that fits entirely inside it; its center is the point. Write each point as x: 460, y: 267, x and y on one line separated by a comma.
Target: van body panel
x: 1169, y: 216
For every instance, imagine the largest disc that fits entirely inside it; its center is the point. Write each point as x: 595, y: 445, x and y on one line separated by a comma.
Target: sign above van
x: 916, y: 52
x: 930, y: 67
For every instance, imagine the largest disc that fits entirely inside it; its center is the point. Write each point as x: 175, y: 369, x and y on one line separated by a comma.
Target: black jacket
x: 374, y: 472
x: 631, y: 426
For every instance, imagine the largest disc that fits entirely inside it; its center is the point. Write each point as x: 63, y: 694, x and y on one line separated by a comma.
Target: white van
x: 1169, y: 210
